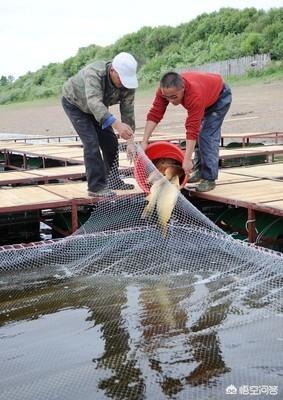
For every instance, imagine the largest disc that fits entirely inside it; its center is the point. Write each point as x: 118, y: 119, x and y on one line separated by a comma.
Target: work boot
x: 195, y: 177
x: 121, y: 185
x: 102, y: 193
x: 205, y: 186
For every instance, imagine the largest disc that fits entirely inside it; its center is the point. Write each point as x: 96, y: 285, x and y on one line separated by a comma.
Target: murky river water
x: 93, y: 337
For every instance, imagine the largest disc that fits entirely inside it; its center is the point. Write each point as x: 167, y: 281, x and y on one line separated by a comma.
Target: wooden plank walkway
x: 245, y: 191
x: 253, y: 194
x: 238, y: 186
x: 74, y: 154
x: 41, y: 175
x: 267, y: 171
x: 277, y: 204
x: 52, y: 196
x: 256, y: 188
x: 67, y: 154
x: 226, y: 175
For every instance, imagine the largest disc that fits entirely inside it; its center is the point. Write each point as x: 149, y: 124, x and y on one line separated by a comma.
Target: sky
x: 34, y: 33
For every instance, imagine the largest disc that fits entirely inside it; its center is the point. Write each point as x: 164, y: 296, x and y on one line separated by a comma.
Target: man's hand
x: 131, y: 150
x: 123, y: 130
x: 188, y: 166
x: 188, y: 162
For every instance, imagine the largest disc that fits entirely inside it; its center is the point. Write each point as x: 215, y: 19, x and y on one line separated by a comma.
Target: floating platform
x: 246, y: 137
x: 52, y: 196
x: 256, y: 188
x: 74, y: 155
x: 45, y: 175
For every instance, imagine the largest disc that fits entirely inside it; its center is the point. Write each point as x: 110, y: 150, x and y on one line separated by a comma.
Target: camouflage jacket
x: 92, y: 91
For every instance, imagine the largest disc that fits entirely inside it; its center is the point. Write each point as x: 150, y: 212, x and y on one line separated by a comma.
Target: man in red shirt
x: 207, y: 99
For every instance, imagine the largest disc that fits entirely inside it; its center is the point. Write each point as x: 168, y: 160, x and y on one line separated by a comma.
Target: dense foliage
x: 229, y: 33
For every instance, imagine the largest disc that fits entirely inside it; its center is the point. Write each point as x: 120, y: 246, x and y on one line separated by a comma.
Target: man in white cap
x: 86, y: 98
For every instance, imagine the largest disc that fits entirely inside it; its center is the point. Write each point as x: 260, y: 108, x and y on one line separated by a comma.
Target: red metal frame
x: 251, y: 207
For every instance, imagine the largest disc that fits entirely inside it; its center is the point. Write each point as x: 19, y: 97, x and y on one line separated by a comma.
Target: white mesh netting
x: 119, y: 310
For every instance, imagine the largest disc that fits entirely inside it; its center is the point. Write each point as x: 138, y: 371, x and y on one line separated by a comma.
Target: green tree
x: 228, y: 33
x: 252, y: 43
x: 4, y: 81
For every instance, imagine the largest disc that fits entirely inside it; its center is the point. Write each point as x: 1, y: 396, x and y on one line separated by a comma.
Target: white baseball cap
x: 126, y: 67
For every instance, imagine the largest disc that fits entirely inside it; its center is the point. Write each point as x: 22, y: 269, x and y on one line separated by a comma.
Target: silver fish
x: 163, y: 196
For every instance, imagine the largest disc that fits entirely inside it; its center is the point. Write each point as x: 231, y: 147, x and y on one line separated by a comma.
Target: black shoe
x: 205, y: 186
x: 121, y: 185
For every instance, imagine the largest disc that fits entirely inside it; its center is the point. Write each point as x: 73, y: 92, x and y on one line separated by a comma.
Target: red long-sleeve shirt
x: 201, y: 91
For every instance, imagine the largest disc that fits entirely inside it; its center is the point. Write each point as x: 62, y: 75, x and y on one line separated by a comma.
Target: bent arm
x: 149, y: 128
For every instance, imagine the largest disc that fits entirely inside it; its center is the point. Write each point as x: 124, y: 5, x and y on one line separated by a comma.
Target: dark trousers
x: 207, y: 148
x: 95, y: 141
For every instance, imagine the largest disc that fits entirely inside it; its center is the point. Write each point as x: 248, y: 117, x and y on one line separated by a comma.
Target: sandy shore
x: 255, y: 108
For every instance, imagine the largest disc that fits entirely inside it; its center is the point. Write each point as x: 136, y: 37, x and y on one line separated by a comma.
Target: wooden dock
x: 43, y: 175
x: 261, y: 195
x: 67, y: 154
x: 256, y: 188
x: 74, y: 154
x: 52, y: 196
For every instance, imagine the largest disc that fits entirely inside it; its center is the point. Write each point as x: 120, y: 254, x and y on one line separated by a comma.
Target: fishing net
x: 125, y: 309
